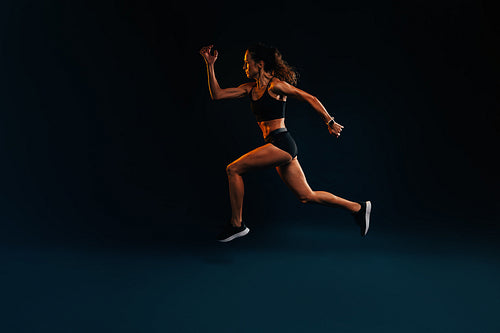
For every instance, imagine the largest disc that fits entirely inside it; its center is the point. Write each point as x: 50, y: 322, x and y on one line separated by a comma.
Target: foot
x: 362, y: 217
x: 231, y: 232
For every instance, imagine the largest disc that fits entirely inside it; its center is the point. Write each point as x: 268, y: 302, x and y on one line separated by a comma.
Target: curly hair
x: 273, y: 62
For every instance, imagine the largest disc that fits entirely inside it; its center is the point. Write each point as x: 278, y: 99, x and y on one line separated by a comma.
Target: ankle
x: 357, y: 207
x: 236, y: 223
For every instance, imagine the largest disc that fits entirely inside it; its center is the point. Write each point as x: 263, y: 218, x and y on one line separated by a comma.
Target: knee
x: 307, y: 198
x: 233, y: 169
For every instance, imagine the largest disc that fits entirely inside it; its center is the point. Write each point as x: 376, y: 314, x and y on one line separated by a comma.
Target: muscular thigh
x: 293, y: 176
x: 264, y: 156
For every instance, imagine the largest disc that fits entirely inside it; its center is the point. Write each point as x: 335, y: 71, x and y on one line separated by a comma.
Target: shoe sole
x: 367, y: 216
x: 239, y: 234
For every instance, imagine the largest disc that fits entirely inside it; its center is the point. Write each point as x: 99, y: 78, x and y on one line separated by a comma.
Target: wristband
x: 330, y: 122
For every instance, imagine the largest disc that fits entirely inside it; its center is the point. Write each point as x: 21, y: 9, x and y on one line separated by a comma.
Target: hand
x: 335, y: 129
x: 209, y: 58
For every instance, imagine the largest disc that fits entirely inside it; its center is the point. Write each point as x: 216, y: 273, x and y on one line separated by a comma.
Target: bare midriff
x: 270, y: 125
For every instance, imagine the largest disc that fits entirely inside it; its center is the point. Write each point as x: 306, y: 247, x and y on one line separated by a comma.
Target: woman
x: 274, y: 83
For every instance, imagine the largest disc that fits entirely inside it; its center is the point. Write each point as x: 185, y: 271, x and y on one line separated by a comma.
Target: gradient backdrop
x: 113, y: 180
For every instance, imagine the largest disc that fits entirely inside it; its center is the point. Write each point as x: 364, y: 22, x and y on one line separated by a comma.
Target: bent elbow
x: 214, y: 96
x: 312, y: 99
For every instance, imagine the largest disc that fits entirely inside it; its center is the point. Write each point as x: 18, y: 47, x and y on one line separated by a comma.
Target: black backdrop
x: 108, y: 128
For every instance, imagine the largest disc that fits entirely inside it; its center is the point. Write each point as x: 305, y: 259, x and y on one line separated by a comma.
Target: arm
x: 216, y: 92
x: 284, y: 88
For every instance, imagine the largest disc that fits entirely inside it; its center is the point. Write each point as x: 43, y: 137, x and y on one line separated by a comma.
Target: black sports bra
x: 266, y: 107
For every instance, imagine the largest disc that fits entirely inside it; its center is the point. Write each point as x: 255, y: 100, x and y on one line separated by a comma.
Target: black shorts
x: 282, y: 139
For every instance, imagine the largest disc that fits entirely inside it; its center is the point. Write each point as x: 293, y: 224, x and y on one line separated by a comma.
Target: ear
x: 260, y: 64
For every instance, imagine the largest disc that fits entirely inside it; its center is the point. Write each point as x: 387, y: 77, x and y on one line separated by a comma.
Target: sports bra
x: 266, y: 107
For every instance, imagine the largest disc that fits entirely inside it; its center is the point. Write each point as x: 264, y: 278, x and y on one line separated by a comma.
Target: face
x: 250, y: 67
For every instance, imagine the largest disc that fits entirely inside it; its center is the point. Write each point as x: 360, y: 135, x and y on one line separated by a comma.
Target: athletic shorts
x: 282, y: 139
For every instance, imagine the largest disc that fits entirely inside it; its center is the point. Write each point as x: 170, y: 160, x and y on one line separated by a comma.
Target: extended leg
x: 294, y: 178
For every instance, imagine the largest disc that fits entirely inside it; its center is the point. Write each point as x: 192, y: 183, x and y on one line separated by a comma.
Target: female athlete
x: 274, y: 82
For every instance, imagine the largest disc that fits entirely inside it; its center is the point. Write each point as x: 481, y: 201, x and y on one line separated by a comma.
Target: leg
x: 264, y: 156
x: 294, y: 178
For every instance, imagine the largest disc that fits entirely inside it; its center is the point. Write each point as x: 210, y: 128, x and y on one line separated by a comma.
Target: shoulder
x: 281, y: 87
x: 284, y: 88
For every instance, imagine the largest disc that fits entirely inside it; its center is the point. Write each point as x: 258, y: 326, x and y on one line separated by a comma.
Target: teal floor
x: 298, y: 279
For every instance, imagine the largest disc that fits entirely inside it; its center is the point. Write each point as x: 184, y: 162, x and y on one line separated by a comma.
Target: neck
x: 263, y: 79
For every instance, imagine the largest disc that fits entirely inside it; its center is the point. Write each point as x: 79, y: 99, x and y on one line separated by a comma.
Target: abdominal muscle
x: 270, y: 125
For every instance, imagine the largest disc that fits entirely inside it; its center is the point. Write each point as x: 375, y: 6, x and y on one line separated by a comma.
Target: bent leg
x: 294, y: 178
x: 264, y: 156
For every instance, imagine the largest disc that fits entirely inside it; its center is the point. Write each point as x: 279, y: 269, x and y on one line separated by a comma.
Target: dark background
x: 107, y: 122
x: 113, y: 182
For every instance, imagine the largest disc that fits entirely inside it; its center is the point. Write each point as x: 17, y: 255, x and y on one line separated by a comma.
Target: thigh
x: 284, y: 141
x: 293, y: 176
x: 264, y: 156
